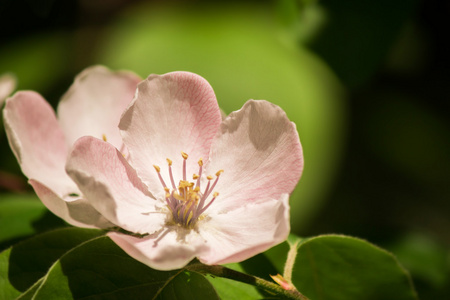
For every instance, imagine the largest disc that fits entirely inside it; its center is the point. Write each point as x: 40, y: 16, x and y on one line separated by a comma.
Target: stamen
x: 200, y: 164
x: 209, y: 204
x: 158, y: 170
x: 104, y: 137
x: 185, y: 200
x: 185, y: 156
x: 215, y: 182
x: 206, y: 192
x: 169, y: 162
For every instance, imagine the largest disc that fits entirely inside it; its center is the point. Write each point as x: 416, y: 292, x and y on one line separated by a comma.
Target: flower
x: 41, y: 141
x: 7, y: 86
x: 192, y: 184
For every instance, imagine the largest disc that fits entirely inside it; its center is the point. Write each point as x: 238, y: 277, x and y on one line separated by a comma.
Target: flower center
x: 186, y: 201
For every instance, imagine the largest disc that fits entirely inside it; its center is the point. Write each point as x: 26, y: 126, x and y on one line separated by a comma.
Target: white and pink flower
x: 41, y: 140
x: 190, y: 184
x: 7, y: 86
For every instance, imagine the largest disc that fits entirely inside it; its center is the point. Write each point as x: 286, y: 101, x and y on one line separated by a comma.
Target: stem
x: 225, y: 272
x: 289, y: 266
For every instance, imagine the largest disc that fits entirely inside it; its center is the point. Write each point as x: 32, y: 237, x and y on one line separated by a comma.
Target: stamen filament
x: 214, y: 184
x: 200, y: 165
x: 169, y: 162
x: 185, y: 201
x: 158, y: 170
x: 209, y: 204
x: 185, y: 156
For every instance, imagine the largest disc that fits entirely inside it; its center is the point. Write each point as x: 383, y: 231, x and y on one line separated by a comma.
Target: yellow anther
x: 195, y: 176
x: 200, y: 162
x: 197, y: 189
x: 183, y: 183
x: 178, y: 197
x: 167, y: 195
x: 215, y: 194
x: 219, y: 172
x: 104, y: 137
x: 158, y: 169
x: 209, y: 177
x: 169, y: 161
x: 185, y: 156
x: 167, y: 189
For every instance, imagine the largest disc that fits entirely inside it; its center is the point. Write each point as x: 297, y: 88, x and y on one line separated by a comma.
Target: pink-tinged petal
x: 112, y: 187
x: 7, y: 86
x: 169, y: 250
x: 94, y: 103
x: 77, y: 212
x: 244, y: 232
x: 259, y: 150
x: 38, y: 141
x: 171, y: 113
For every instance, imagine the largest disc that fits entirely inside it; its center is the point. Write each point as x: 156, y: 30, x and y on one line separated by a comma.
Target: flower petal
x: 244, y: 232
x: 37, y: 141
x: 259, y: 150
x: 94, y: 103
x: 112, y: 186
x: 166, y: 251
x: 171, y: 113
x: 77, y: 212
x: 7, y: 86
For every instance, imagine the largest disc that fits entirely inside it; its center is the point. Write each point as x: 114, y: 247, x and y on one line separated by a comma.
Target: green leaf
x: 99, y: 269
x: 341, y: 267
x: 22, y: 216
x: 230, y: 289
x: 258, y: 265
x: 28, y: 295
x: 25, y: 263
x: 17, y: 213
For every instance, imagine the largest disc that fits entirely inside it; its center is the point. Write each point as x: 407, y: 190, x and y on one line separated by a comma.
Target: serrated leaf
x: 25, y: 263
x: 99, y: 269
x: 340, y: 267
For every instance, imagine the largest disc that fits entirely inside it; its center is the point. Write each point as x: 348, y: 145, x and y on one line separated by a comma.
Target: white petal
x: 171, y: 113
x: 7, y: 86
x: 78, y: 212
x: 112, y: 186
x: 244, y: 232
x: 169, y: 250
x: 259, y: 150
x: 38, y: 141
x: 94, y: 103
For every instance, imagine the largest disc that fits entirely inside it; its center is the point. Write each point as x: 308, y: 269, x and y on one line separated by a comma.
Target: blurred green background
x: 366, y: 82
